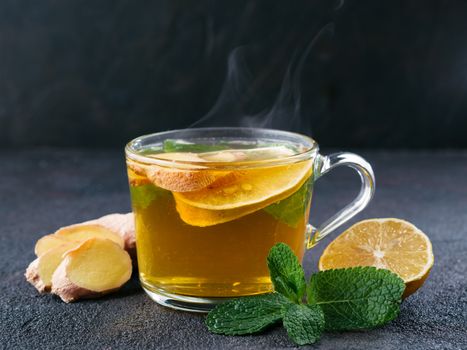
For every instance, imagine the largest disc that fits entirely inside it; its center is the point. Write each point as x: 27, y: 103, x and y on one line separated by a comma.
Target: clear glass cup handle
x: 322, y: 165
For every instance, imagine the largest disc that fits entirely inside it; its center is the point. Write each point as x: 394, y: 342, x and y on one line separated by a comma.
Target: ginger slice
x: 82, y: 232
x: 94, y: 268
x: 193, y: 177
x: 136, y: 174
x: 178, y: 180
x: 39, y: 272
x: 48, y: 242
x: 121, y: 224
x: 238, y: 155
x: 136, y: 168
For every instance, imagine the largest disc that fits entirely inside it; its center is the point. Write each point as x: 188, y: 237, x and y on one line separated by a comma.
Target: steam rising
x: 285, y: 113
x: 339, y: 4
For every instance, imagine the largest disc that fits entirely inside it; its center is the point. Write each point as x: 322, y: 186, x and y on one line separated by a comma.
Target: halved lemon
x: 393, y: 244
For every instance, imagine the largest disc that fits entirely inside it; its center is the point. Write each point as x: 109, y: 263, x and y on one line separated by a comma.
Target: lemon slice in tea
x: 196, y: 216
x: 393, y: 244
x: 253, y: 186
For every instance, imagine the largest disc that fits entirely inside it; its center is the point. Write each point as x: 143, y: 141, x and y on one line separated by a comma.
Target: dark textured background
x: 97, y: 73
x: 83, y: 73
x: 43, y: 190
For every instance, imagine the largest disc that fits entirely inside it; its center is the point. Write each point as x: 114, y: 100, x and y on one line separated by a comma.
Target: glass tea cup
x: 209, y: 203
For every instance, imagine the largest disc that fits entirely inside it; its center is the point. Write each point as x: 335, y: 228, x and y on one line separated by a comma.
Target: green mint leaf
x: 151, y: 150
x: 356, y: 298
x: 286, y: 273
x: 292, y: 209
x: 304, y: 323
x: 142, y: 196
x: 172, y: 145
x: 290, y: 146
x: 247, y: 315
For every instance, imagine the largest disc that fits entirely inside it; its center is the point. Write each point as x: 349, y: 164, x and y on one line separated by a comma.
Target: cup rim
x: 308, y: 153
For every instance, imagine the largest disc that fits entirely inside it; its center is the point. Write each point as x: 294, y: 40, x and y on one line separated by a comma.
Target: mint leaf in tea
x: 292, y: 209
x: 143, y: 195
x: 171, y: 145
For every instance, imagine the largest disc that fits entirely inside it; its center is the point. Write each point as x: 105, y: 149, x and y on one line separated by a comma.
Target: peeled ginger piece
x: 121, y: 224
x: 39, y: 272
x: 94, y: 268
x: 51, y: 249
x: 117, y: 227
x: 82, y: 232
x: 48, y: 242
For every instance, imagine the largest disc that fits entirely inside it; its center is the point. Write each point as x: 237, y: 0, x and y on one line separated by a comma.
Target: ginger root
x: 123, y: 225
x: 100, y: 241
x: 39, y: 272
x: 109, y: 226
x: 94, y: 268
x: 48, y: 242
x: 82, y: 232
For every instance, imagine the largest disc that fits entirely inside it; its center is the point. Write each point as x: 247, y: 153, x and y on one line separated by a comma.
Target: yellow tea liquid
x: 213, y: 241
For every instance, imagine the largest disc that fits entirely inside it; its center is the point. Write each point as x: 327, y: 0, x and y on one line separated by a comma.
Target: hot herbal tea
x: 208, y: 211
x: 209, y: 204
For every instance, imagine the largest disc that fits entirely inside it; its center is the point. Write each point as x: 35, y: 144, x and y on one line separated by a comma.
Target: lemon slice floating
x: 252, y: 187
x: 252, y: 191
x: 393, y: 244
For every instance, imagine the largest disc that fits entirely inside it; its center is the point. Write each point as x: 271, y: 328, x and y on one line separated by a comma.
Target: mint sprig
x: 286, y: 273
x: 336, y: 300
x: 357, y: 297
x: 247, y: 315
x: 304, y: 323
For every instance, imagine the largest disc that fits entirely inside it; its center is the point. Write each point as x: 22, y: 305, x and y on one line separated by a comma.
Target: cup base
x: 183, y: 302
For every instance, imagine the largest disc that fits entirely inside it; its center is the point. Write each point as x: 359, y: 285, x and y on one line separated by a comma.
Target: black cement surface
x: 42, y: 190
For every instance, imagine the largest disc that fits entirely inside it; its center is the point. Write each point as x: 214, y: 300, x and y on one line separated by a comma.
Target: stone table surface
x: 43, y: 189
